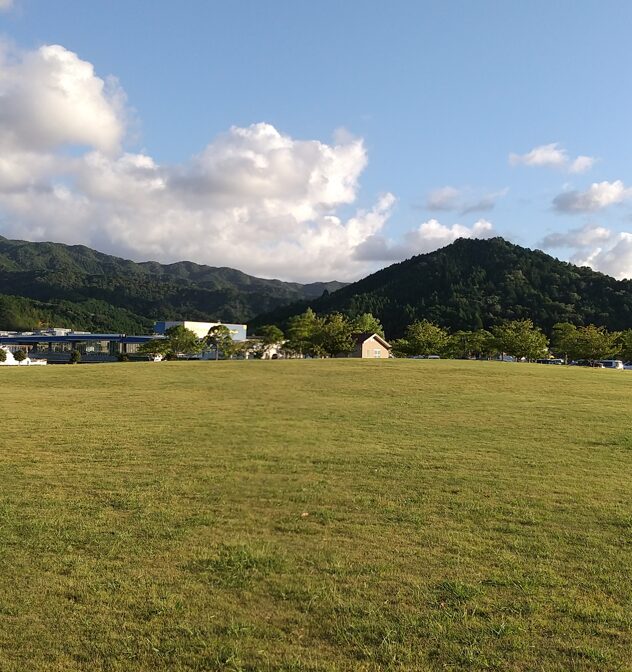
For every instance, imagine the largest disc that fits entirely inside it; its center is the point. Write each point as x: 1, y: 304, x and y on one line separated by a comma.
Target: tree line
x: 517, y: 338
x: 307, y: 335
x: 333, y: 334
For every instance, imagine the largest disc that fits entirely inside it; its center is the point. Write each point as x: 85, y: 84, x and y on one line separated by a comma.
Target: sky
x: 317, y: 141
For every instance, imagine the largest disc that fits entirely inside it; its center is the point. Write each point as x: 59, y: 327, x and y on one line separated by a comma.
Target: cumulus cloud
x: 464, y: 201
x: 595, y: 246
x: 552, y: 156
x: 598, y: 196
x: 615, y: 259
x: 253, y: 198
x: 51, y: 98
x: 427, y: 237
x: 585, y: 236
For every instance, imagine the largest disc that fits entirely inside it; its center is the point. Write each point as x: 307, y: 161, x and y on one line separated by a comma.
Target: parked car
x: 627, y: 366
x: 550, y: 361
x: 612, y: 364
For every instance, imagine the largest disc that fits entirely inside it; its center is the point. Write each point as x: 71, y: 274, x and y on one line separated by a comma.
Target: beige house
x: 370, y: 346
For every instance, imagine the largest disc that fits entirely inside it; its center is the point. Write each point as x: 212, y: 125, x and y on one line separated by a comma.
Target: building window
x: 377, y: 353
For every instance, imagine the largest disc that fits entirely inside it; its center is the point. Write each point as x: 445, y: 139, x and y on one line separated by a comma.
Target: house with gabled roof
x: 370, y: 346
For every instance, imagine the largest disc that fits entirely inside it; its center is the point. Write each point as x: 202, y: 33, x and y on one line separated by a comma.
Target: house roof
x: 360, y: 338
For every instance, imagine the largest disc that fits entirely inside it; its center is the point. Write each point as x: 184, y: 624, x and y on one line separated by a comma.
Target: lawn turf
x: 315, y: 515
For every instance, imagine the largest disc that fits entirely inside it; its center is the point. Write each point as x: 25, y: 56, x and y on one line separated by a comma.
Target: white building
x: 201, y: 329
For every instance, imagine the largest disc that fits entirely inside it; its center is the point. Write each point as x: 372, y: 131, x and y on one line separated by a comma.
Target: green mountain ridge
x: 473, y: 284
x: 42, y: 284
x: 466, y: 285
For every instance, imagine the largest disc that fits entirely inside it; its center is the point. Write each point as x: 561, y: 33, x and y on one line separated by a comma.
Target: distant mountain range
x: 75, y: 286
x: 478, y: 283
x: 467, y: 285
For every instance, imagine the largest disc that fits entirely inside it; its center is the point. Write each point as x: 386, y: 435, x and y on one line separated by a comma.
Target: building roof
x: 26, y: 339
x: 362, y: 337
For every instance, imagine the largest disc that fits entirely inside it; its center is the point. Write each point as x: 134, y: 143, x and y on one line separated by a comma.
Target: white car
x: 612, y: 364
x: 628, y: 366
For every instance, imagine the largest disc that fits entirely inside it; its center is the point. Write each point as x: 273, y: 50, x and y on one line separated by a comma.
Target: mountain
x: 75, y: 286
x: 478, y: 283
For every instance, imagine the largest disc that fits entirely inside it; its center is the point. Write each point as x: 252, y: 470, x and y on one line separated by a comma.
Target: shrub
x: 75, y: 357
x: 122, y: 357
x: 19, y: 355
x: 3, y: 355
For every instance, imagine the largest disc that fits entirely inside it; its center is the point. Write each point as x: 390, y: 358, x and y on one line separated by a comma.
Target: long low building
x: 55, y: 345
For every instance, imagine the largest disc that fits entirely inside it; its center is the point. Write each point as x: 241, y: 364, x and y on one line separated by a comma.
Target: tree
x: 626, y: 345
x: 182, y: 341
x: 422, y: 338
x: 270, y: 334
x: 465, y: 344
x: 334, y: 336
x: 565, y: 341
x: 597, y: 342
x: 3, y: 355
x: 155, y: 347
x: 219, y: 338
x: 302, y: 332
x: 19, y: 355
x: 367, y: 324
x: 248, y: 348
x: 75, y: 357
x: 483, y: 344
x: 521, y: 339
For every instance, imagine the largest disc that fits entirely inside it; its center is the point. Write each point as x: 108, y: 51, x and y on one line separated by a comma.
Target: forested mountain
x: 467, y: 285
x: 472, y: 284
x: 53, y: 284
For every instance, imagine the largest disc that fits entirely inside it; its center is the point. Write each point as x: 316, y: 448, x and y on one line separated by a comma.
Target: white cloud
x: 444, y: 198
x: 581, y: 164
x: 598, y: 196
x: 615, y: 260
x: 544, y: 155
x: 254, y: 198
x: 427, y: 237
x: 552, y: 156
x: 585, y: 236
x: 464, y: 200
x: 5, y: 5
x: 50, y: 98
x: 596, y: 246
x: 432, y: 235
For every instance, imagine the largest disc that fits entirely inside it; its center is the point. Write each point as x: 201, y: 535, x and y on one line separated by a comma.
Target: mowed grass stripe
x: 315, y: 515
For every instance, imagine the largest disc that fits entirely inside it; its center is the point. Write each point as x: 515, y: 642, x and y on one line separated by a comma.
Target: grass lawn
x: 315, y: 515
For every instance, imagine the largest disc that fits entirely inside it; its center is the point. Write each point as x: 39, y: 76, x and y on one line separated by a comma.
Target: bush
x: 19, y: 355
x: 3, y: 355
x: 122, y: 357
x: 75, y: 357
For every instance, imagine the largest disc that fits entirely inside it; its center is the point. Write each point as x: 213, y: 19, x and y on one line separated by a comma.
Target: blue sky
x: 427, y: 120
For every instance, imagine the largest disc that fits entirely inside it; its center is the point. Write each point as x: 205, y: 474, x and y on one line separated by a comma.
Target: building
x: 201, y: 329
x: 370, y: 346
x: 55, y: 345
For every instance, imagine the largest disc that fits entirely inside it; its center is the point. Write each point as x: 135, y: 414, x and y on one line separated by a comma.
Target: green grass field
x: 315, y: 515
